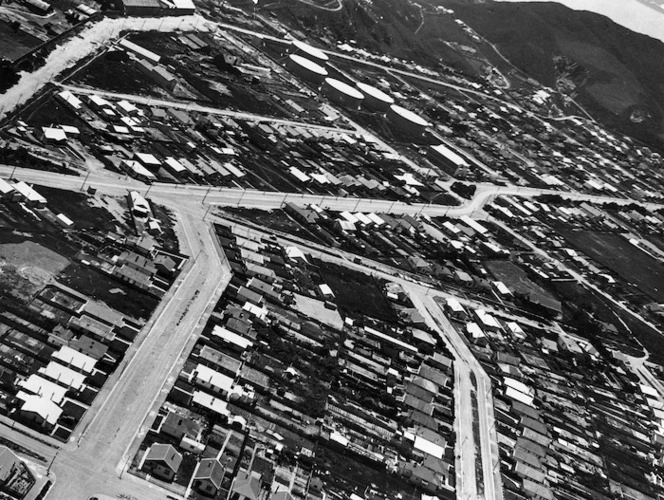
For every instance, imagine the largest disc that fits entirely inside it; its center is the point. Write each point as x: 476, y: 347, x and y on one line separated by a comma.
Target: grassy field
x: 13, y: 44
x: 616, y: 253
x: 26, y: 267
x: 357, y: 294
x: 99, y: 286
x: 76, y: 206
x: 517, y: 280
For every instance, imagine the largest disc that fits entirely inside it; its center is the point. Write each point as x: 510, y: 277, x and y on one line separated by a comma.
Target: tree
x: 8, y: 75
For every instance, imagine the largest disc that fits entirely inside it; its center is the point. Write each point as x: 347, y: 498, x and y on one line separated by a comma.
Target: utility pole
x: 85, y: 180
x: 206, y: 194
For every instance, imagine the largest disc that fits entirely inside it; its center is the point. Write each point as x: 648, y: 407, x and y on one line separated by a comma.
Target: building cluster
x: 281, y: 376
x: 181, y: 145
x: 576, y: 233
x: 572, y: 419
x: 16, y: 480
x: 461, y: 254
x: 58, y: 346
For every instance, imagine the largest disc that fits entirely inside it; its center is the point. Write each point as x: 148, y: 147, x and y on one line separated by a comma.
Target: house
x: 15, y: 478
x: 246, y: 486
x: 304, y: 215
x: 208, y: 476
x: 162, y: 461
x: 178, y: 426
x: 29, y: 195
x: 38, y: 410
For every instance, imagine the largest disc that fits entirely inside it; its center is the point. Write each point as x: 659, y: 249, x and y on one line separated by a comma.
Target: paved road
x: 192, y: 106
x: 84, y: 44
x: 93, y: 460
x: 465, y: 364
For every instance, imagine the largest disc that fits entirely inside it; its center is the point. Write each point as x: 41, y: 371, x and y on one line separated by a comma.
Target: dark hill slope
x: 618, y: 75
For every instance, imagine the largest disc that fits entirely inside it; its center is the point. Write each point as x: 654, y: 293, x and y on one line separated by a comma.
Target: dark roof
x: 178, y: 425
x: 165, y: 453
x: 247, y: 486
x: 212, y: 470
x: 8, y: 463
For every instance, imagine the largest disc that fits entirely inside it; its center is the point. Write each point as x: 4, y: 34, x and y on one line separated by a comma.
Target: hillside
x: 613, y: 72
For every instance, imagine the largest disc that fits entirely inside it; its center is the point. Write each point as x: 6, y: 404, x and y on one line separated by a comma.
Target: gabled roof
x: 247, y: 486
x: 8, y: 462
x: 164, y: 453
x: 212, y: 470
x: 45, y: 408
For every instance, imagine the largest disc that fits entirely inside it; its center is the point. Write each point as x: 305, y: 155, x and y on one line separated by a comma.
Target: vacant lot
x: 617, y: 254
x: 26, y: 267
x: 516, y: 279
x: 97, y: 285
x: 78, y: 208
x: 356, y: 294
x: 13, y: 44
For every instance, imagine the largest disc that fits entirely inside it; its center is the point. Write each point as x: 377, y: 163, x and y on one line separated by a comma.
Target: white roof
x: 231, y: 337
x: 211, y: 403
x: 28, y: 193
x: 127, y: 106
x: 213, y: 378
x: 648, y: 390
x: 311, y: 51
x: 349, y: 217
x: 42, y: 387
x: 71, y: 99
x: 148, y: 159
x: 375, y: 333
x: 346, y: 225
x: 451, y: 227
x: 64, y: 219
x: 233, y: 170
x: 344, y: 88
x: 515, y: 328
x: 375, y: 93
x: 363, y: 218
x: 139, y: 169
x: 325, y: 289
x: 64, y: 375
x: 99, y: 101
x: 375, y: 219
x: 310, y: 65
x: 54, y: 134
x: 408, y: 115
x: 138, y: 50
x: 486, y: 318
x: 517, y: 385
x: 5, y: 187
x: 454, y: 304
x: 428, y: 447
x: 443, y: 150
x: 76, y: 359
x: 339, y: 438
x: 69, y: 129
x: 138, y: 201
x: 473, y: 224
x: 175, y: 165
x: 298, y: 174
x: 502, y: 288
x: 295, y: 253
x: 259, y: 312
x: 43, y: 407
x: 120, y: 129
x: 519, y: 396
x: 475, y: 331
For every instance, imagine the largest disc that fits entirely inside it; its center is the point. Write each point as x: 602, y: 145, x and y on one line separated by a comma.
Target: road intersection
x: 96, y: 457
